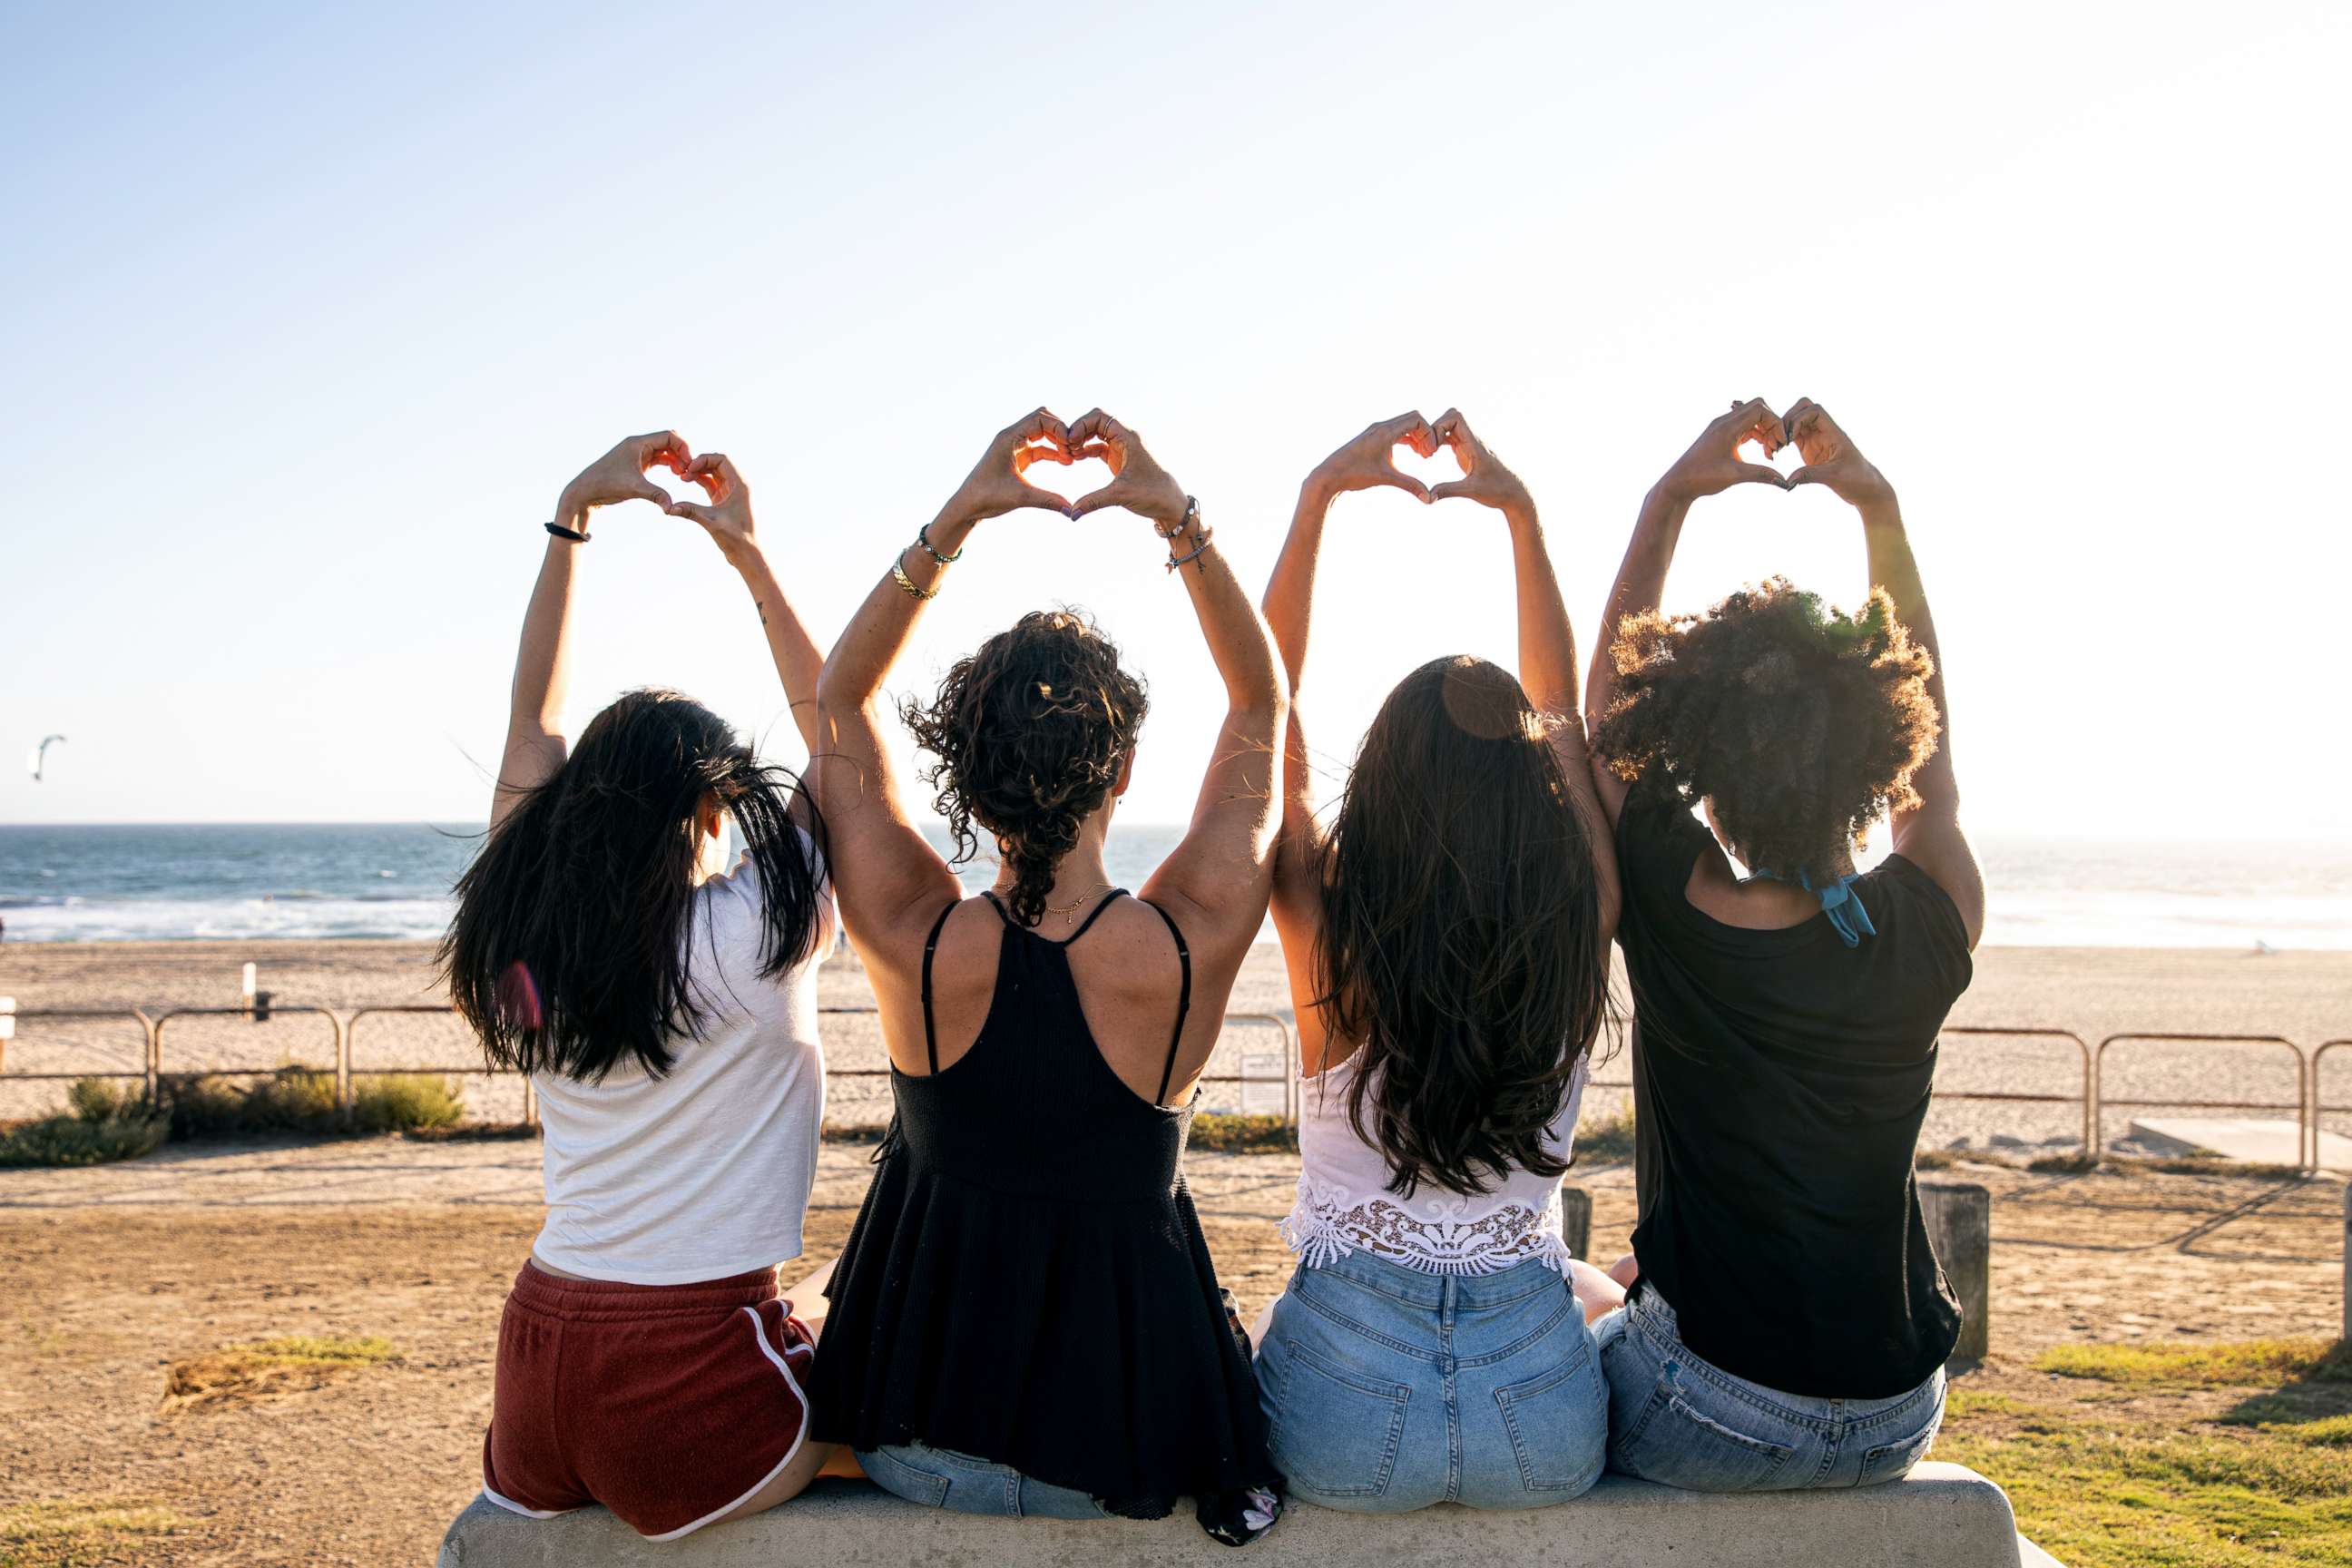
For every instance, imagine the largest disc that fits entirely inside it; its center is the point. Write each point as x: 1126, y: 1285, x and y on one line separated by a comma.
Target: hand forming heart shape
x: 998, y: 483
x: 1370, y: 461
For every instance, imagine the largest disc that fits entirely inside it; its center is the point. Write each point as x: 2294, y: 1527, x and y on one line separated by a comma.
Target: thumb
x: 1808, y: 475
x: 1410, y: 485
x: 646, y: 489
x: 1451, y: 488
x: 1085, y: 503
x: 1761, y: 474
x: 688, y: 510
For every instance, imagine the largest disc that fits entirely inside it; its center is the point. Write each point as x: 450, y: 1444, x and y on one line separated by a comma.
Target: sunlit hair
x: 1030, y: 732
x: 1799, y: 725
x: 1461, y: 944
x: 571, y: 946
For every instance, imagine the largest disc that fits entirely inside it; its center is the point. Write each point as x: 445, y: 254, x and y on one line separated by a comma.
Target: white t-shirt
x: 706, y: 1171
x: 1345, y: 1200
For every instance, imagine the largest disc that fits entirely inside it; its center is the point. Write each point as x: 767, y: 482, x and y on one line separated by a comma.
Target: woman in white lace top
x: 1447, y: 936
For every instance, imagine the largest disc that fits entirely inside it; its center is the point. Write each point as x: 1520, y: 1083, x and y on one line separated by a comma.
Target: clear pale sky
x: 306, y: 313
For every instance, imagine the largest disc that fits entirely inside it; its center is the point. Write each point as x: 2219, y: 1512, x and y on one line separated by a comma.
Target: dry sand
x: 2306, y: 997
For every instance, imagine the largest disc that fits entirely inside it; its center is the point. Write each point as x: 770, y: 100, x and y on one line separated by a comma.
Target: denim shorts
x: 1676, y: 1420
x: 1388, y: 1389
x: 941, y: 1478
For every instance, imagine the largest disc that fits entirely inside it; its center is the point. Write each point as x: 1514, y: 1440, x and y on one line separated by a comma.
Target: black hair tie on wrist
x: 573, y: 534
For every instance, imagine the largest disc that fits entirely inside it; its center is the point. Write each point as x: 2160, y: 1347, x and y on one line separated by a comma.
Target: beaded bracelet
x: 923, y: 538
x: 899, y: 574
x: 1199, y: 548
x: 1178, y: 529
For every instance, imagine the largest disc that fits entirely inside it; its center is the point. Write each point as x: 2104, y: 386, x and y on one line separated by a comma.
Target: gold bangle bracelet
x: 898, y: 573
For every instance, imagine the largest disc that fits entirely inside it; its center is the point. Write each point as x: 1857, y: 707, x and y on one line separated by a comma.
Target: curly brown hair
x: 1799, y: 725
x: 1031, y: 730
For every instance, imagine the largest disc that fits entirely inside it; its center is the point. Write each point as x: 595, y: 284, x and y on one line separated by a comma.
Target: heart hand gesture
x: 1483, y: 479
x: 728, y: 517
x: 620, y: 475
x: 995, y: 486
x: 1370, y: 461
x: 1713, y: 464
x: 1137, y: 481
x: 1831, y: 458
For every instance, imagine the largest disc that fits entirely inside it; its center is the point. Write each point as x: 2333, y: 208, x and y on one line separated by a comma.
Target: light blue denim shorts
x: 1676, y: 1420
x: 1388, y: 1389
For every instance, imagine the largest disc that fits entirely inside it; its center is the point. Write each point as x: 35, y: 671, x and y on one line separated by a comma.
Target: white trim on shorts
x: 760, y: 1338
x: 511, y: 1506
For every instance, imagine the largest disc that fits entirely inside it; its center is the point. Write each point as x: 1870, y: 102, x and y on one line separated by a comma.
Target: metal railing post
x: 2302, y: 1096
x: 2319, y: 1106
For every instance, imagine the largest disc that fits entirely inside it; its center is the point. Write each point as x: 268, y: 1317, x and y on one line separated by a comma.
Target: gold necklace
x: 1069, y: 911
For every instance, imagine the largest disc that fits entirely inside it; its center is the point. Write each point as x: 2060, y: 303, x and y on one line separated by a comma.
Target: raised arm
x: 1712, y: 464
x: 1546, y: 640
x: 726, y: 518
x: 1218, y: 878
x: 1928, y: 834
x: 891, y: 882
x: 1364, y: 463
x: 536, y: 744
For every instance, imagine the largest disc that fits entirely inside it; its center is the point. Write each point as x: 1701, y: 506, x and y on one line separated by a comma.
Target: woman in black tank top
x: 1025, y: 1319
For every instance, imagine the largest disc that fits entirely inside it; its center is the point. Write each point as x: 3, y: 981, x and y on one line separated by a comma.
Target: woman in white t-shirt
x: 1447, y: 938
x: 665, y: 1010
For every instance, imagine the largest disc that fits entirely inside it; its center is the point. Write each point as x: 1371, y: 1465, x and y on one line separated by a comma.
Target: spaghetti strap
x: 1183, y: 998
x: 930, y: 946
x: 1095, y: 915
x: 994, y: 903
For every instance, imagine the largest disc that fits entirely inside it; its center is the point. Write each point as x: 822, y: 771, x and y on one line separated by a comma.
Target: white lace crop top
x: 1345, y: 1200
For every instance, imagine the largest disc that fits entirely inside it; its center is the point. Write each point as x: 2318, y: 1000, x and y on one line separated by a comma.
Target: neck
x: 1079, y: 879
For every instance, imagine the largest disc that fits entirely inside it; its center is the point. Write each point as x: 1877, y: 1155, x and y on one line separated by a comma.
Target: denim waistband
x: 612, y: 1302
x: 1654, y: 1317
x: 1418, y: 1287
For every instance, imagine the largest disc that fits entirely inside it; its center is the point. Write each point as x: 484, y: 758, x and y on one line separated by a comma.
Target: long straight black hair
x: 1461, y: 944
x: 569, y: 954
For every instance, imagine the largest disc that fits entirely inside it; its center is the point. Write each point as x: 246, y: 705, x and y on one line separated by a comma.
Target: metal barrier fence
x: 2301, y: 1107
x: 2309, y: 1105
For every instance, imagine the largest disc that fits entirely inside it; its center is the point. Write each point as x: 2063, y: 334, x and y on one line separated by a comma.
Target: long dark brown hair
x: 1461, y: 939
x: 569, y: 952
x: 1030, y: 732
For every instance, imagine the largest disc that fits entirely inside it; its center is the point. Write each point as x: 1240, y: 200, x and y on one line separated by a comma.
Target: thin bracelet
x: 898, y: 573
x: 573, y: 534
x: 1204, y: 536
x: 1177, y: 530
x: 923, y: 538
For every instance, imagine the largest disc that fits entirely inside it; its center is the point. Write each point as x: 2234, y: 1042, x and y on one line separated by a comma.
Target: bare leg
x: 787, y: 1483
x: 1265, y: 1321
x: 1625, y: 1270
x: 808, y: 1299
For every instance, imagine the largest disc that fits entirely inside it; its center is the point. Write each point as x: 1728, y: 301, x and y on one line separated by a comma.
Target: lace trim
x: 1435, y: 1235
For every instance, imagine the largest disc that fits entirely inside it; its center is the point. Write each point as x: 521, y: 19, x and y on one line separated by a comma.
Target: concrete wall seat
x: 1942, y: 1515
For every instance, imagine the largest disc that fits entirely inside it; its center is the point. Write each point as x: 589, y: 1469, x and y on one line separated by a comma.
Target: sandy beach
x: 2093, y: 993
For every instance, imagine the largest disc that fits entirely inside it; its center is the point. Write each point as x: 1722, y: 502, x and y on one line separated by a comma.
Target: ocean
x: 390, y: 880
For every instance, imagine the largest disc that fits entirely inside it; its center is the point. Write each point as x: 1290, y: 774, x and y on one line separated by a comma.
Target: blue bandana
x: 1844, y: 910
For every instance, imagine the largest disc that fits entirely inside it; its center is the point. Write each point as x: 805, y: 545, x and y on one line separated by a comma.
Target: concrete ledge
x: 1941, y: 1516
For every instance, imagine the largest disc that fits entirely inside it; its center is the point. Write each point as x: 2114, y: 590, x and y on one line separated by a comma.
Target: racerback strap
x: 930, y: 946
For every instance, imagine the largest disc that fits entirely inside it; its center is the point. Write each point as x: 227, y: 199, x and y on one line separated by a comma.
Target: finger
x: 1407, y: 483
x: 1743, y: 416
x: 715, y: 473
x: 1094, y: 501
x: 1451, y: 488
x: 692, y: 511
x: 1410, y: 428
x: 1039, y: 425
x: 1796, y: 412
x: 1097, y: 451
x: 1097, y: 424
x: 664, y: 446
x: 646, y: 489
x: 1023, y: 456
x: 1813, y: 423
x: 1049, y: 500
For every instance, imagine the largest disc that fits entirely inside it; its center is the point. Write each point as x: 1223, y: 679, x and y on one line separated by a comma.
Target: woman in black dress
x: 1025, y: 1319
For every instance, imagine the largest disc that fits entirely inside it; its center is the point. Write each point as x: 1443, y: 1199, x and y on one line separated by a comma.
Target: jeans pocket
x: 1892, y: 1461
x: 1682, y: 1447
x: 1559, y: 1423
x: 1335, y: 1432
x: 887, y: 1469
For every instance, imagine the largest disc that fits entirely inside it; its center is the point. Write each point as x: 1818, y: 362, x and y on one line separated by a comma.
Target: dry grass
x: 70, y: 1532
x: 269, y: 1369
x: 2232, y: 1365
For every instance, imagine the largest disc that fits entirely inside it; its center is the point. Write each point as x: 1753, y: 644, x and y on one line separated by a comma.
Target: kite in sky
x: 40, y: 754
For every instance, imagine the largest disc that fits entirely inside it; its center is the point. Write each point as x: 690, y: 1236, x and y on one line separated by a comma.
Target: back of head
x: 1800, y: 726
x: 1031, y: 733
x: 570, y: 950
x: 1462, y: 946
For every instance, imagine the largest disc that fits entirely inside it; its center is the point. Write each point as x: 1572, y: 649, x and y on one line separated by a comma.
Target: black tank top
x: 1027, y: 1281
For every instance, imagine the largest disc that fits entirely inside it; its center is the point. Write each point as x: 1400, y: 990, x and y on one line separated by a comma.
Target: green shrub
x: 78, y: 1139
x: 1243, y: 1134
x: 98, y: 1099
x: 405, y: 1103
x: 1605, y: 1138
x: 291, y: 1099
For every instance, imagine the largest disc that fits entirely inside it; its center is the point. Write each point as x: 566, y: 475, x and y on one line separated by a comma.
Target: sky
x: 307, y: 313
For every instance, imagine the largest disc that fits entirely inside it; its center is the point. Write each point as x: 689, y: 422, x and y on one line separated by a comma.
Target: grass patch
x: 269, y: 1368
x: 1243, y: 1134
x: 405, y: 1102
x: 2267, y: 1483
x: 1606, y: 1139
x: 68, y: 1532
x: 303, y: 1099
x: 2246, y: 1363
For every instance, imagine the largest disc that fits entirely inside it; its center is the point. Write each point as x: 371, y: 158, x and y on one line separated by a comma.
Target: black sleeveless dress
x: 1027, y: 1281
